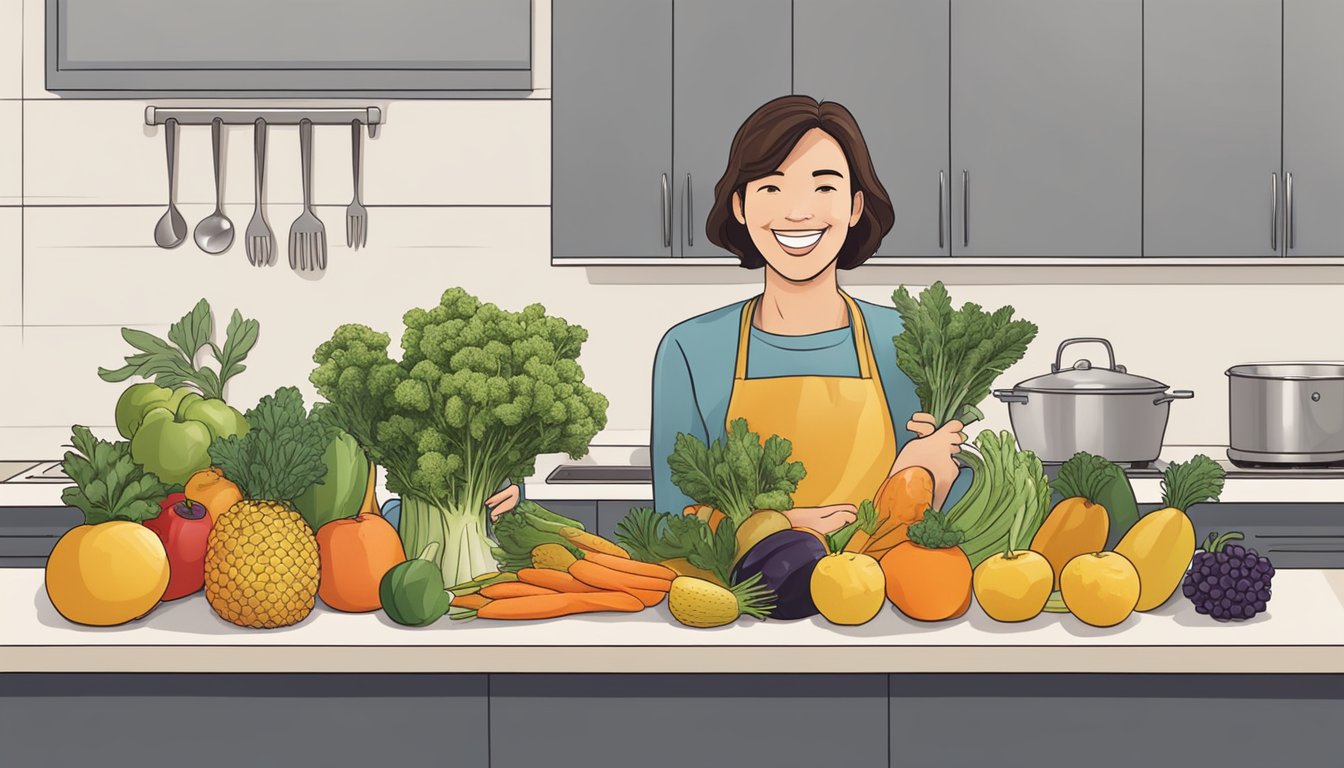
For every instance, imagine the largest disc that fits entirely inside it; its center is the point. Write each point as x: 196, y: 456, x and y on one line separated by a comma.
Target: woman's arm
x: 674, y: 410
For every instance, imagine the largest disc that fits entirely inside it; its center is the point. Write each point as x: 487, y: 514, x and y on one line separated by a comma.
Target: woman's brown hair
x: 760, y: 147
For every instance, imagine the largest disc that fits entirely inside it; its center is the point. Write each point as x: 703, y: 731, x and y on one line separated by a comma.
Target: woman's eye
x: 769, y: 188
x: 825, y: 188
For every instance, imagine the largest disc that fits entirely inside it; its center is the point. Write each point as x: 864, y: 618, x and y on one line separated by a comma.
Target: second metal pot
x: 1108, y: 411
x: 1286, y: 413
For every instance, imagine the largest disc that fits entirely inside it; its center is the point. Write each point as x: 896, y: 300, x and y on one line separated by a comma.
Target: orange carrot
x: 560, y: 581
x: 606, y: 578
x: 551, y: 606
x: 474, y: 602
x: 648, y: 597
x: 507, y: 589
x: 652, y: 570
x: 590, y: 542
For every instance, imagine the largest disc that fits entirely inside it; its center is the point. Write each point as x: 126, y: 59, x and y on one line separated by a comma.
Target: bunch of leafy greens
x: 172, y: 363
x: 654, y: 537
x: 1102, y: 482
x: 108, y: 484
x: 478, y: 394
x: 281, y: 455
x: 1004, y: 480
x: 528, y: 526
x: 953, y: 356
x: 866, y: 521
x: 737, y: 475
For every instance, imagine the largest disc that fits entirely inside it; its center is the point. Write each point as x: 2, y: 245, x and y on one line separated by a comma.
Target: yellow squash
x: 1160, y: 546
x: 1162, y: 543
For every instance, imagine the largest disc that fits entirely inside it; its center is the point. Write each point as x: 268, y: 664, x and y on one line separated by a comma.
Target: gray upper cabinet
x: 611, y: 141
x: 893, y: 77
x: 1313, y: 112
x: 239, y: 47
x: 729, y: 58
x: 1212, y: 181
x: 1047, y: 127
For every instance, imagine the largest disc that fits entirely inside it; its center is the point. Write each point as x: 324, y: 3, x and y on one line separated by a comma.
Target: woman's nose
x: 798, y: 215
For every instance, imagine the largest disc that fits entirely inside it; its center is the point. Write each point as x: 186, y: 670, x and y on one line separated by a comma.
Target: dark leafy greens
x: 954, y: 355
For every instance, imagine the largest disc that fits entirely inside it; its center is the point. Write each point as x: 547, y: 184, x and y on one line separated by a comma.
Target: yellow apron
x: 840, y: 426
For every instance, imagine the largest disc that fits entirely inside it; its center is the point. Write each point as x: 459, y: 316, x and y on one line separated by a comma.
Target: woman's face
x: 799, y: 216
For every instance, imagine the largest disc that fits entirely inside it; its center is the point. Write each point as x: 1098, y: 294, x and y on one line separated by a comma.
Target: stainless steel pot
x: 1107, y: 411
x: 1286, y: 413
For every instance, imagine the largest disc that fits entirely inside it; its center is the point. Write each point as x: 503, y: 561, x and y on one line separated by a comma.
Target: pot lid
x: 1083, y: 376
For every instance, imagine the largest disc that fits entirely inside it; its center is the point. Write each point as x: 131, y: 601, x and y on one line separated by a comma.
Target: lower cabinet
x: 615, y: 721
x: 675, y: 721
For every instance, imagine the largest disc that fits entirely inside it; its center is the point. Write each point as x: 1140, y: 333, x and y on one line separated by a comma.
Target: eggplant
x: 785, y: 561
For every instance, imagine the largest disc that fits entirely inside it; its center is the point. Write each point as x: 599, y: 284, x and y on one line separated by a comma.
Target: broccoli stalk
x: 479, y: 393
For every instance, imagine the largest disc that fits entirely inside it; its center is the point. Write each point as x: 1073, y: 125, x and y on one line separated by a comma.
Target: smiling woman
x: 802, y: 360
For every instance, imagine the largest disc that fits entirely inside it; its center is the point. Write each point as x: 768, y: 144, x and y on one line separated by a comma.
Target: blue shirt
x: 693, y: 378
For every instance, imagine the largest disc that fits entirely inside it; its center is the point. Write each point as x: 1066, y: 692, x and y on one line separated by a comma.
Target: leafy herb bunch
x: 954, y: 355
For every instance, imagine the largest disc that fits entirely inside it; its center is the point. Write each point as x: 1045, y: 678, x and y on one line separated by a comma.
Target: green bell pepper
x: 171, y: 430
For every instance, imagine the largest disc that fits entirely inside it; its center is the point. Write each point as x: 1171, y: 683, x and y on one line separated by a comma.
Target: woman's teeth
x: 799, y: 238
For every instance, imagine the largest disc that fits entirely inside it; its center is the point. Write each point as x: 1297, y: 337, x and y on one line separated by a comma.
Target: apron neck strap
x: 862, y: 345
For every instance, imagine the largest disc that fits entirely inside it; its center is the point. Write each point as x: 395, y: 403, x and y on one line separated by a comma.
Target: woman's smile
x: 798, y: 242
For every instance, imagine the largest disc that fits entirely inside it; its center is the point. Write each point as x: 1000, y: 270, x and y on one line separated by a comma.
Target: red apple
x: 184, y: 528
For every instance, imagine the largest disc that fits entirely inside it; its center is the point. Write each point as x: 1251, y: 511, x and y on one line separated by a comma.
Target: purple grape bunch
x: 1228, y: 581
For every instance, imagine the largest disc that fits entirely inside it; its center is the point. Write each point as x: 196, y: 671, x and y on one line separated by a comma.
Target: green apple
x: 173, y: 450
x: 135, y: 402
x: 221, y: 419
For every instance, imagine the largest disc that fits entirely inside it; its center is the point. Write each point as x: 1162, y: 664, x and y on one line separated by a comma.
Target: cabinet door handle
x: 1289, y: 224
x: 1274, y: 211
x: 942, y: 193
x: 667, y: 216
x: 690, y: 215
x: 965, y: 208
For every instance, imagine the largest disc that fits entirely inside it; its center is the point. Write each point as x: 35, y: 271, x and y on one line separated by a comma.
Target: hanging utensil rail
x: 371, y: 116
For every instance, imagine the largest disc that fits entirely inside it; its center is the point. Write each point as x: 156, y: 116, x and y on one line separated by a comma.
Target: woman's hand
x: 823, y: 520
x: 502, y: 502
x: 933, y: 450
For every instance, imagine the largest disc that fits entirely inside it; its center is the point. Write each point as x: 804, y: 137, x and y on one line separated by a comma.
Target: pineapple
x: 261, y: 562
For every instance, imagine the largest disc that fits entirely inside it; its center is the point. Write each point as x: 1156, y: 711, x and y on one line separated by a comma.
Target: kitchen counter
x: 1303, y: 632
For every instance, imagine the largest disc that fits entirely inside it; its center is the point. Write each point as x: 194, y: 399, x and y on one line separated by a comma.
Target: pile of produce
x: 1144, y: 569
x: 270, y: 510
x: 478, y: 394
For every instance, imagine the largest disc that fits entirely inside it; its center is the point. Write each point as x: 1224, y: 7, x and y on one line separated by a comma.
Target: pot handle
x: 1059, y: 354
x: 1175, y: 394
x: 1009, y: 396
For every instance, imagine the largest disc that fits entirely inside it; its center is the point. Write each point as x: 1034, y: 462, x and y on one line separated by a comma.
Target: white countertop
x: 631, y: 447
x: 1302, y: 632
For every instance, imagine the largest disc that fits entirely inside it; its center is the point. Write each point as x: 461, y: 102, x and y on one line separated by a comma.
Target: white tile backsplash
x: 11, y: 268
x: 11, y: 152
x: 34, y: 49
x: 11, y: 49
x: 452, y: 152
x: 59, y: 383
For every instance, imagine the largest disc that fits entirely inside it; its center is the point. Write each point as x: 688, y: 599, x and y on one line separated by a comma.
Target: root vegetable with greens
x: 479, y: 393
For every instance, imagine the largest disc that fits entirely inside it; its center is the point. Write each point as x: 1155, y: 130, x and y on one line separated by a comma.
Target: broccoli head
x: 478, y: 394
